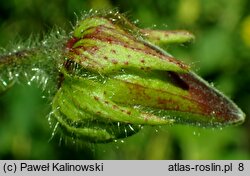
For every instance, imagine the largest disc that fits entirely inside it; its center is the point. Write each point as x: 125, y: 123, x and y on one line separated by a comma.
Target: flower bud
x: 115, y: 79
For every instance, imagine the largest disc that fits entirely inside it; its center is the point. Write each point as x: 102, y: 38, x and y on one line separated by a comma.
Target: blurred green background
x: 220, y: 54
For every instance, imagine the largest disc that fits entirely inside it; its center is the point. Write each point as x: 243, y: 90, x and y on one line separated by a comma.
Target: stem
x: 36, y: 64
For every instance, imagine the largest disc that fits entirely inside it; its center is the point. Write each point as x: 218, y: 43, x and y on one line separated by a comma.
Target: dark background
x: 220, y: 54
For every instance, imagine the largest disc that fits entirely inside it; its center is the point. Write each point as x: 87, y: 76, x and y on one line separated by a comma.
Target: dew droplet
x: 113, y: 19
x: 3, y: 82
x: 44, y: 42
x: 136, y: 21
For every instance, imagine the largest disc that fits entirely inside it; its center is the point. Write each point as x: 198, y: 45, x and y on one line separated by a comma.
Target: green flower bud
x: 115, y: 79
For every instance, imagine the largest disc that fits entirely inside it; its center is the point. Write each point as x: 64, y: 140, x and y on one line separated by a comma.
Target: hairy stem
x: 28, y: 65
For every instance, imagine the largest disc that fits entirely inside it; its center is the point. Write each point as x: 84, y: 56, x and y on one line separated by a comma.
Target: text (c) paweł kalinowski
x: 61, y: 167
